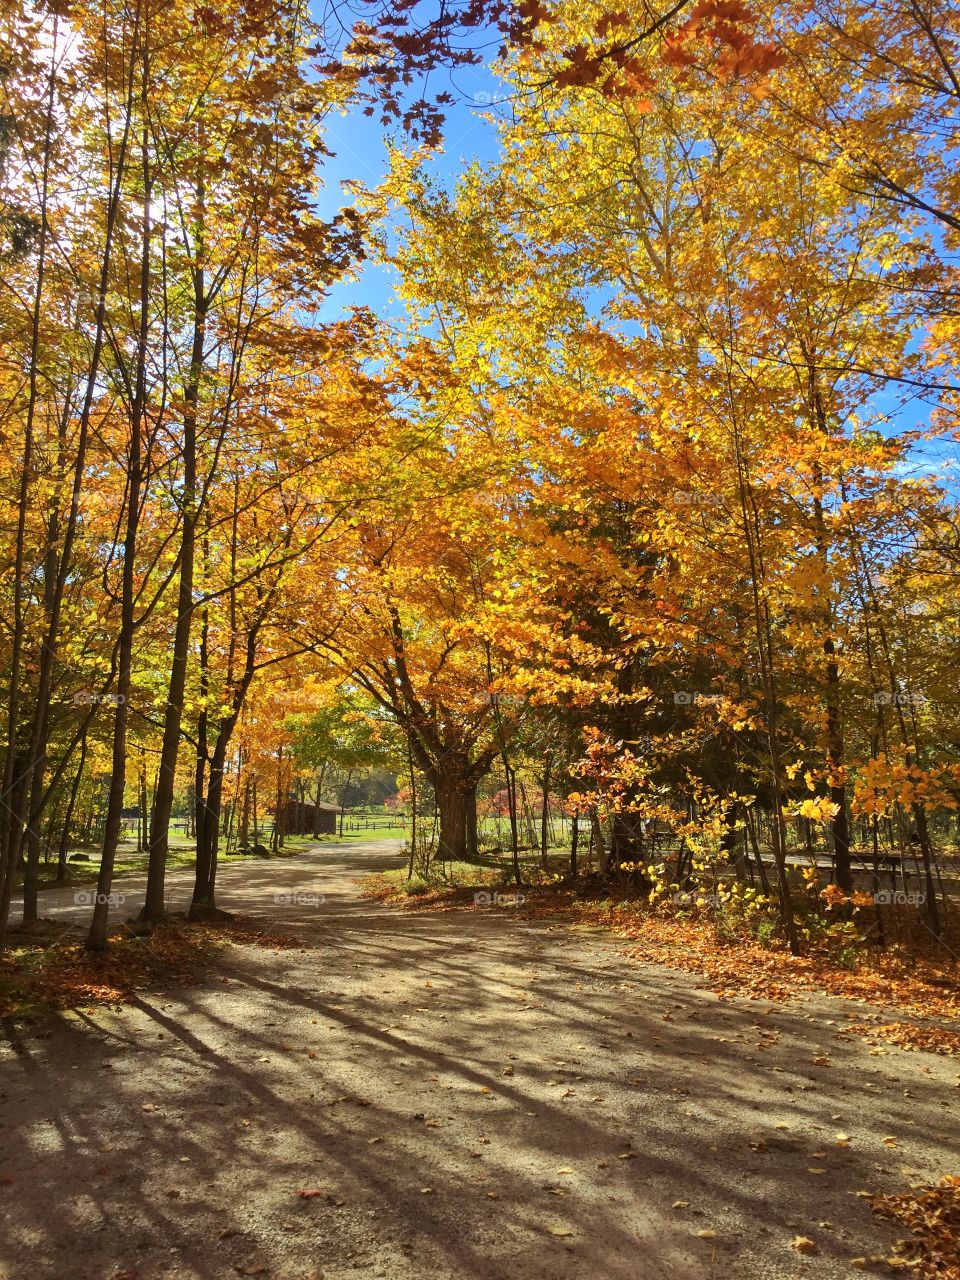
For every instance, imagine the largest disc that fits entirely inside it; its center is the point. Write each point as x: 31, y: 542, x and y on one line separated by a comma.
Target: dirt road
x: 462, y: 1094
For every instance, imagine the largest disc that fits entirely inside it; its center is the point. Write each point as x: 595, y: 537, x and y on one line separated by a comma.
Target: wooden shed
x: 303, y: 819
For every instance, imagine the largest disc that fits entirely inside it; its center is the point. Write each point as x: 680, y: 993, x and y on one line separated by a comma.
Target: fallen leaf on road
x: 932, y: 1216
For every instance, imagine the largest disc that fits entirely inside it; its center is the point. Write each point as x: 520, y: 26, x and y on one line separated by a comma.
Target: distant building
x: 302, y: 819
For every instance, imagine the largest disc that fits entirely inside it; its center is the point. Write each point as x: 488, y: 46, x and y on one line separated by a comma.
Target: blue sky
x: 358, y: 142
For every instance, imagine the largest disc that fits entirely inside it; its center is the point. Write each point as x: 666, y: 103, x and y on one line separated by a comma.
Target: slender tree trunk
x: 64, y: 850
x: 15, y: 760
x: 243, y: 832
x: 763, y: 637
x: 343, y: 798
x: 413, y: 810
x: 143, y: 805
x: 545, y: 811
x: 204, y: 905
x: 202, y: 752
x: 472, y: 832
x: 153, y: 907
x: 276, y: 839
x: 512, y: 809
x: 97, y: 937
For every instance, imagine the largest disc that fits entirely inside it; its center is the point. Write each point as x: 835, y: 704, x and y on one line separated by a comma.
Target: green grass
x: 377, y: 831
x: 131, y: 862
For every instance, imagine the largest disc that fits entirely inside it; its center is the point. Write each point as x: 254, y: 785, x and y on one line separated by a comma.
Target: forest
x: 569, y: 526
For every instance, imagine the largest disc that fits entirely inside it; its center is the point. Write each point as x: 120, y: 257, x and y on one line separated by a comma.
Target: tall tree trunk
x: 764, y: 641
x: 153, y: 906
x: 31, y: 792
x: 97, y: 937
x: 839, y: 823
x: 16, y: 758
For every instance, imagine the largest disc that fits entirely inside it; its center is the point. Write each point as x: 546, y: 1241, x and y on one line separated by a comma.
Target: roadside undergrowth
x: 37, y: 977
